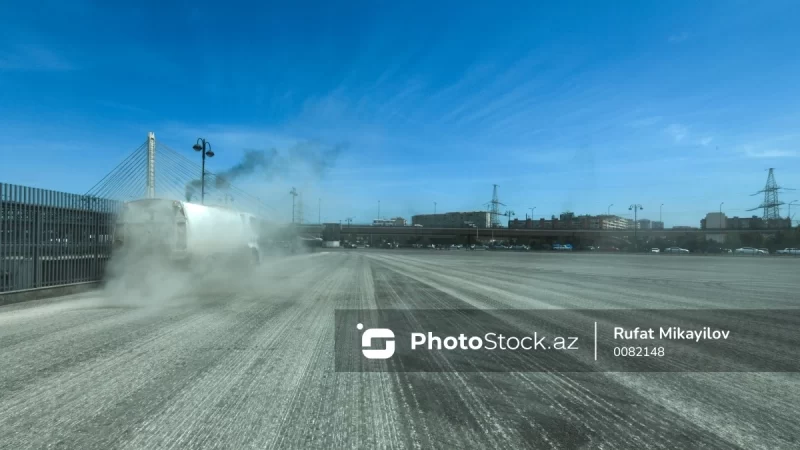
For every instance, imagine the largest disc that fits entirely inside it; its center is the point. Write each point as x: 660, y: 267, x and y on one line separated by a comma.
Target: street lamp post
x: 294, y: 194
x: 790, y: 212
x: 509, y: 214
x: 660, y: 219
x: 379, y: 210
x: 434, y: 208
x: 532, y: 210
x: 720, y: 214
x: 204, y: 147
x: 635, y: 208
x: 319, y: 211
x: 608, y: 210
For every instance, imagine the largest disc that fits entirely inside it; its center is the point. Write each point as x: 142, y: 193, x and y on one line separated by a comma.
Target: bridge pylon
x: 151, y: 165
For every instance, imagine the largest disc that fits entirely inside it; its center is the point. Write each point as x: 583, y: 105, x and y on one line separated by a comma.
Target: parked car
x: 655, y: 250
x: 749, y: 251
x: 788, y: 251
x: 675, y: 250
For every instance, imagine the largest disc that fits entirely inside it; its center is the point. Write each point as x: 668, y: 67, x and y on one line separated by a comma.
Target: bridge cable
x: 132, y: 154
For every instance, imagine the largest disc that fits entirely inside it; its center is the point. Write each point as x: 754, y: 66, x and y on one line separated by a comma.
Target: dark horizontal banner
x: 471, y: 340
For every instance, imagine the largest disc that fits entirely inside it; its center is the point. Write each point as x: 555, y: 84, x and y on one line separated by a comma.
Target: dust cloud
x: 143, y: 272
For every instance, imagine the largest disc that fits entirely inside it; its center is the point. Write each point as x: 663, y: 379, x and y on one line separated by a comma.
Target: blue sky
x: 566, y: 106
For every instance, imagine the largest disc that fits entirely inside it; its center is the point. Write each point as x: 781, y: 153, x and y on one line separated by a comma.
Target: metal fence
x: 50, y: 238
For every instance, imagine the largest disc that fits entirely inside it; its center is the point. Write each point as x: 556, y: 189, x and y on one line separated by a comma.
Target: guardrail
x: 50, y: 238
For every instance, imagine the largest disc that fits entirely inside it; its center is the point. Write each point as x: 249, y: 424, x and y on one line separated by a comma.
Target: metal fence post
x: 37, y: 243
x: 3, y: 273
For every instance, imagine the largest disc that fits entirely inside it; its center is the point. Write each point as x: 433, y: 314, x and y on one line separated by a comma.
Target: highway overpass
x: 483, y: 233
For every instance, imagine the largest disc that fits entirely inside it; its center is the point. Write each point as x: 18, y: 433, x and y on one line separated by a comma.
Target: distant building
x: 656, y: 225
x: 399, y: 221
x: 481, y: 219
x: 393, y: 222
x: 569, y: 220
x: 744, y: 223
x: 779, y: 223
x: 543, y: 224
x: 609, y: 222
x: 716, y: 221
x: 757, y: 223
x: 644, y: 224
x: 526, y: 224
x: 713, y: 221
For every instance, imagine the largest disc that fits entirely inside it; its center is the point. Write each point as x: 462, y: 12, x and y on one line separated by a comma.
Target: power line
x: 771, y: 204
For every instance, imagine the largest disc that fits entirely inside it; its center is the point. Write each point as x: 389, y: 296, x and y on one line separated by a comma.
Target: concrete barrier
x: 7, y: 298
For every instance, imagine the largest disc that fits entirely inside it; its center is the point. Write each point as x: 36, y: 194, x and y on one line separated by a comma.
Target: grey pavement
x: 245, y: 360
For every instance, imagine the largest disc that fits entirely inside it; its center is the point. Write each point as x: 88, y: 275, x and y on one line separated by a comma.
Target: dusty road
x: 248, y: 363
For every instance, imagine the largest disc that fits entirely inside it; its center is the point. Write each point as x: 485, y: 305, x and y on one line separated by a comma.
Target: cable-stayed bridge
x: 154, y: 170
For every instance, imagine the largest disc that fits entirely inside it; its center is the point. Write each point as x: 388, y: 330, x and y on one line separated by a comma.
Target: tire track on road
x: 616, y: 422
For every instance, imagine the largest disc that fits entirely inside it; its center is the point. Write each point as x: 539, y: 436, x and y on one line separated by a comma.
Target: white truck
x: 183, y: 231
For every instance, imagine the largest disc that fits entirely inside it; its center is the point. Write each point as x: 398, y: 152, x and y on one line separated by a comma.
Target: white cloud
x: 679, y: 37
x: 537, y: 156
x: 705, y: 141
x: 123, y: 107
x: 751, y: 152
x: 677, y: 131
x: 644, y: 122
x: 33, y: 57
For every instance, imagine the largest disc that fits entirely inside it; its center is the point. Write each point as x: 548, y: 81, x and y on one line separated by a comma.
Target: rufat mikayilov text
x: 671, y: 333
x: 492, y: 341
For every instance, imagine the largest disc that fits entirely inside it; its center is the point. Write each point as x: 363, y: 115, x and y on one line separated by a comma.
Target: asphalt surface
x: 246, y: 361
